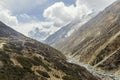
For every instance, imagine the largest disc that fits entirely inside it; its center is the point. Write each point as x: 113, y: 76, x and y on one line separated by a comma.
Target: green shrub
x: 69, y: 78
x: 40, y: 62
x: 11, y: 72
x: 16, y: 48
x: 42, y: 78
x: 56, y: 76
x: 46, y: 67
x: 25, y: 62
x: 5, y: 58
x: 44, y: 74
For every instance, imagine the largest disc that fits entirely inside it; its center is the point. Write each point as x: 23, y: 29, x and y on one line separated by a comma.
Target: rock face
x: 22, y: 58
x: 97, y: 42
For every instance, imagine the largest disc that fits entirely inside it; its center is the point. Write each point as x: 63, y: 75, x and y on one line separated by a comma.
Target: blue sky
x: 47, y: 15
x: 38, y: 10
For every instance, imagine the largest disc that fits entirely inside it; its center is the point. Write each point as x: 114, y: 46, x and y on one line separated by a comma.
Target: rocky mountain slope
x: 97, y: 42
x: 22, y: 58
x: 67, y: 30
x: 5, y: 31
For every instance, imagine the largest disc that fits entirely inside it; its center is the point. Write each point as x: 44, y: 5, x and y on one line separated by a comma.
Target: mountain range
x: 22, y: 58
x: 87, y: 49
x: 97, y: 43
x: 67, y: 30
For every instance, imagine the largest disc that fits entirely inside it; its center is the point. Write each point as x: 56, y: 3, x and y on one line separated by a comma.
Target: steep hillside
x: 22, y: 58
x: 67, y: 30
x: 60, y: 34
x: 97, y: 42
x: 5, y: 31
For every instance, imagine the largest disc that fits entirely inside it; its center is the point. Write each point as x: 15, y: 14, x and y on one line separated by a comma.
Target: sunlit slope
x: 97, y: 42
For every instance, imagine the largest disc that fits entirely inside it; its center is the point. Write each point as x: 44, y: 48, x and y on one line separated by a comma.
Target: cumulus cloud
x: 55, y: 15
x: 61, y: 14
x: 7, y: 17
x: 15, y: 23
x: 17, y: 6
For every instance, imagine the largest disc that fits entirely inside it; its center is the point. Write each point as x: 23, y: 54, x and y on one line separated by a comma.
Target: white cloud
x: 7, y: 17
x: 97, y: 5
x: 12, y: 21
x: 25, y: 18
x: 56, y: 15
x: 42, y: 30
x: 43, y: 26
x: 61, y: 14
x: 21, y: 5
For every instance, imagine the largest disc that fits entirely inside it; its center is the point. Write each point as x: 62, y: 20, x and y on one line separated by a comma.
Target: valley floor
x: 102, y: 75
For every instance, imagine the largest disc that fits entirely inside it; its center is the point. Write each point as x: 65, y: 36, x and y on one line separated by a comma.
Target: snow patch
x: 69, y: 33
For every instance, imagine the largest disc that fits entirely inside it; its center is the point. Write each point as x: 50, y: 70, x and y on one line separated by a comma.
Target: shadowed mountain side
x: 22, y: 58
